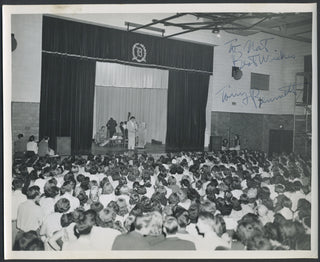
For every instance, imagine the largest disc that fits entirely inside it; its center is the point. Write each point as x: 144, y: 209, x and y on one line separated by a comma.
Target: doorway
x: 280, y: 141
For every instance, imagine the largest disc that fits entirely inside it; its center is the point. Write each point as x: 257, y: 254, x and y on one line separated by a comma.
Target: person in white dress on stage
x: 132, y: 128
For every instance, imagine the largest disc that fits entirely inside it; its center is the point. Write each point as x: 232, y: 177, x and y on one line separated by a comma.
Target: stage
x: 120, y: 148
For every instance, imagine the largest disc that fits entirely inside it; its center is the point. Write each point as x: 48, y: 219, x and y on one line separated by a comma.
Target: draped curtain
x: 186, y: 120
x: 141, y: 91
x: 102, y: 43
x: 70, y: 50
x: 66, y: 104
x: 147, y: 105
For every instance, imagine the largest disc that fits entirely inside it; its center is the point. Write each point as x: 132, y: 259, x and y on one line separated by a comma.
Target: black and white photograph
x: 160, y: 131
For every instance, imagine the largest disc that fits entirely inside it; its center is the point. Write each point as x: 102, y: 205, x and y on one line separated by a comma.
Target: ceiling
x: 296, y: 26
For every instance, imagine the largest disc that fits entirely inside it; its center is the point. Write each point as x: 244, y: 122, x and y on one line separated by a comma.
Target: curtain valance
x: 118, y: 75
x: 76, y: 38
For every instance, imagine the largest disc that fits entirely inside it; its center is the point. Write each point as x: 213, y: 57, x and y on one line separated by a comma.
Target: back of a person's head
x: 219, y: 225
x: 23, y: 240
x: 170, y: 225
x: 33, y: 192
x: 207, y: 206
x: 66, y: 219
x: 107, y: 215
x: 142, y: 222
x: 69, y: 176
x: 215, y: 224
x: 67, y: 186
x: 51, y: 191
x: 35, y: 245
x: 17, y: 183
x: 149, y: 223
x: 96, y: 206
x: 84, y: 225
x: 62, y: 205
x: 31, y: 138
x: 249, y: 228
x: 259, y: 243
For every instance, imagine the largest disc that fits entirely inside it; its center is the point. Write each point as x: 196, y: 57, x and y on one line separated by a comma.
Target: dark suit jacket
x: 173, y: 243
x: 130, y: 241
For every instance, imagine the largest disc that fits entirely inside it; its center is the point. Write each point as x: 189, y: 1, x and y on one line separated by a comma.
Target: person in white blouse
x: 32, y: 145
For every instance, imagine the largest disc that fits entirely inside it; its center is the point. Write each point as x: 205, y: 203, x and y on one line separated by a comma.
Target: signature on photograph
x: 254, y: 53
x: 254, y: 96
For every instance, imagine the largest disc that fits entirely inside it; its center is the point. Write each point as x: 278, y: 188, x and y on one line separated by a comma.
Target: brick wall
x: 25, y: 119
x: 252, y: 128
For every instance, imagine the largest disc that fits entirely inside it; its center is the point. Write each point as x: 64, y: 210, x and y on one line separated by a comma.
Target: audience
x: 176, y: 201
x: 32, y: 146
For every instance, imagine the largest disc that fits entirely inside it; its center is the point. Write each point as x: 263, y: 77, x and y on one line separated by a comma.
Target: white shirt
x: 186, y: 204
x: 30, y: 216
x: 191, y: 228
x: 105, y: 199
x: 294, y: 197
x: 99, y: 239
x: 32, y: 146
x: 40, y: 183
x: 17, y: 199
x: 47, y: 205
x: 213, y: 241
x: 51, y: 224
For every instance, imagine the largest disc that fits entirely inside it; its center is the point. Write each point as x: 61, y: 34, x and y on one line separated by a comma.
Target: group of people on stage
x: 31, y: 147
x: 129, y: 130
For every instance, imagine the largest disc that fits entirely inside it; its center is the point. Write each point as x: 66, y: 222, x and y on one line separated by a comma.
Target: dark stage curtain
x: 187, y: 100
x: 67, y: 97
x: 70, y: 113
x: 70, y: 37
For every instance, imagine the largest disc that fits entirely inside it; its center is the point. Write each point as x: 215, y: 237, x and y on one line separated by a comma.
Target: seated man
x: 172, y: 241
x: 100, y: 137
x: 136, y: 239
x: 43, y: 148
x: 20, y: 145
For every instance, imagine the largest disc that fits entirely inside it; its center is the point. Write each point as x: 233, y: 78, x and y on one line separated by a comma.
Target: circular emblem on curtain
x: 139, y: 52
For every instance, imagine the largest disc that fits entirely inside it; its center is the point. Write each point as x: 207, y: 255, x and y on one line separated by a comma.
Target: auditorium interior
x: 202, y: 87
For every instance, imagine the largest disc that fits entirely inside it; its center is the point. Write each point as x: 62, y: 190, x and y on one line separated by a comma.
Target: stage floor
x: 149, y: 148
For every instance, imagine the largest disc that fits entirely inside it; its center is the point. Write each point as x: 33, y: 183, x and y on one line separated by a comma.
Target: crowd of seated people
x: 174, y: 201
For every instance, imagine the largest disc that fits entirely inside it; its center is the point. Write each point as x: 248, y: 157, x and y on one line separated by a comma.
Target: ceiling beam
x: 299, y: 30
x: 273, y: 32
x: 152, y: 28
x: 217, y: 28
x: 153, y: 23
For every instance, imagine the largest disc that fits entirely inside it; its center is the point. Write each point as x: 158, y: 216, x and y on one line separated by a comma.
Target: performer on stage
x: 132, y: 128
x: 111, y: 126
x: 100, y: 137
x: 142, y: 135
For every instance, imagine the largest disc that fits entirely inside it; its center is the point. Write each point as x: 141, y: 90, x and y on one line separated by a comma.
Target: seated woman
x: 32, y: 147
x: 100, y: 137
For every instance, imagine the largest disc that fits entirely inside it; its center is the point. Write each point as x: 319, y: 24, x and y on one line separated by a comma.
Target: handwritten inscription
x: 254, y: 53
x: 254, y: 96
